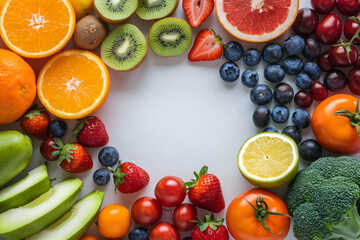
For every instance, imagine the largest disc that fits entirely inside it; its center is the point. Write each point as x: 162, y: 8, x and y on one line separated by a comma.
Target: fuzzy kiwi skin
x: 171, y: 13
x: 89, y: 33
x: 111, y: 21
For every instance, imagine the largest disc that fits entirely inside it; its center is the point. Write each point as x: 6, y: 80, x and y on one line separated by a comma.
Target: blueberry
x: 301, y: 118
x: 58, y: 128
x: 312, y: 48
x: 108, y: 156
x: 293, y: 65
x: 250, y: 78
x: 261, y: 116
x: 303, y: 81
x: 280, y: 114
x: 261, y: 94
x: 274, y: 73
x: 294, y: 45
x: 229, y: 72
x: 272, y: 53
x: 310, y: 150
x: 283, y: 93
x: 235, y: 51
x: 270, y: 129
x: 293, y: 132
x: 252, y: 57
x: 313, y: 70
x: 138, y: 234
x: 101, y: 176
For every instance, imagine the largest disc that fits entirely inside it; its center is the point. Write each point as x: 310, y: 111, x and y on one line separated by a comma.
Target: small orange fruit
x: 73, y: 84
x: 88, y: 237
x: 114, y: 221
x: 37, y: 29
x: 17, y: 86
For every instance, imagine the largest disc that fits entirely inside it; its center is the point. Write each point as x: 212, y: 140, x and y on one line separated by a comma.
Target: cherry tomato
x: 339, y: 58
x: 164, y: 231
x: 170, y: 191
x: 329, y: 30
x: 350, y: 29
x: 357, y: 62
x: 114, y: 221
x: 348, y: 7
x: 354, y: 81
x: 146, y: 211
x: 335, y: 132
x: 46, y: 149
x: 88, y: 237
x: 183, y: 216
x: 305, y: 22
x: 241, y: 220
x: 323, y: 6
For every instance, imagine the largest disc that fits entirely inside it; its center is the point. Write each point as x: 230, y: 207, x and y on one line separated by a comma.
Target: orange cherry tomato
x: 335, y: 132
x: 114, y: 221
x: 244, y: 225
x: 88, y: 237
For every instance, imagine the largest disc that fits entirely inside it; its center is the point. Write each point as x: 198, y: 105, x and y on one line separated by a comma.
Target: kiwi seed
x: 115, y: 11
x: 156, y: 9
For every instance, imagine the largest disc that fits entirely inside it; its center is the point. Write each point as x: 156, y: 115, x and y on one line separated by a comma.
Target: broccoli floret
x: 322, y: 200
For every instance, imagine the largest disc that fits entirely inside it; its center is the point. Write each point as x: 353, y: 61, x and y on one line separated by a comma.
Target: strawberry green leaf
x: 66, y: 153
x: 80, y: 125
x: 118, y: 176
x: 192, y: 183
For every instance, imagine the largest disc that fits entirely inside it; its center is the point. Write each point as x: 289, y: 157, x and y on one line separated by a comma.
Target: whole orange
x: 114, y: 221
x: 17, y: 86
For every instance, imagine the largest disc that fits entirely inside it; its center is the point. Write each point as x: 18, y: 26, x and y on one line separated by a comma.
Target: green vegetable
x: 322, y: 200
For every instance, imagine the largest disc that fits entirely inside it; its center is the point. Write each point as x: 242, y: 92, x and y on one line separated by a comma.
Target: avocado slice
x: 27, y: 189
x: 73, y: 224
x: 19, y: 223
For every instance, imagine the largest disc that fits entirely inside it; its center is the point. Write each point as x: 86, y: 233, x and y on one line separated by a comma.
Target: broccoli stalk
x: 349, y: 229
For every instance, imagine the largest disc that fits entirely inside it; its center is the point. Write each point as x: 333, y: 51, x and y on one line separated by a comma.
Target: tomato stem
x: 347, y: 45
x: 354, y: 117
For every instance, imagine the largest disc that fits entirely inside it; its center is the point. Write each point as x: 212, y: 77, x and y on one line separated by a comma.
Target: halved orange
x: 73, y: 84
x: 37, y: 28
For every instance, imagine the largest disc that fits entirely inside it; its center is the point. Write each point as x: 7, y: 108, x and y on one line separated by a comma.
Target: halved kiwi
x: 170, y: 37
x: 125, y: 48
x: 156, y: 9
x: 115, y: 11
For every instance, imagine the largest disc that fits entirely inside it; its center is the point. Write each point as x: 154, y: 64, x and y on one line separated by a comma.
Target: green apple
x: 27, y: 189
x: 73, y: 224
x: 15, y: 154
x: 22, y: 222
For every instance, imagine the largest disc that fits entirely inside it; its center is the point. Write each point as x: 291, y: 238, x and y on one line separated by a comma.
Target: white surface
x: 171, y: 117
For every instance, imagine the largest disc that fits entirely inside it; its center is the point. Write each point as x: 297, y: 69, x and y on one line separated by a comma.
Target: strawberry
x: 74, y: 158
x: 91, y: 132
x: 197, y: 11
x: 210, y: 229
x: 207, y: 46
x: 36, y: 123
x: 205, y: 191
x: 129, y: 178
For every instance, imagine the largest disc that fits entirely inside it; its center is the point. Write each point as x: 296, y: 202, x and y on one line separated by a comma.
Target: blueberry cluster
x: 108, y: 157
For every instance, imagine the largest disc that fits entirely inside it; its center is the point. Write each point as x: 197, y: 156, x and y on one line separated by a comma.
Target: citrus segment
x: 256, y: 20
x: 38, y: 28
x: 73, y: 84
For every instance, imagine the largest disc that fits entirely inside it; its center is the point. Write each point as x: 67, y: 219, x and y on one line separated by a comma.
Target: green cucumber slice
x: 27, y: 189
x: 73, y: 224
x: 19, y: 223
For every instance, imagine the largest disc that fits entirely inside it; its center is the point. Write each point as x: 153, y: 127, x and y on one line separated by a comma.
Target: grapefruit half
x: 256, y: 20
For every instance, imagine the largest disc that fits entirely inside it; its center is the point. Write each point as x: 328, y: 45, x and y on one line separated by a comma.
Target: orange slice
x: 73, y: 84
x: 37, y: 28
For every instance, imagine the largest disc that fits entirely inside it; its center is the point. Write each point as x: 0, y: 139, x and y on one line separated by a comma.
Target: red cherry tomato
x: 348, y: 7
x: 170, y: 191
x: 329, y: 30
x: 46, y: 149
x: 357, y: 62
x: 183, y: 216
x: 146, y: 211
x: 164, y: 231
x: 350, y: 29
x: 354, y: 81
x: 323, y: 6
x: 339, y: 58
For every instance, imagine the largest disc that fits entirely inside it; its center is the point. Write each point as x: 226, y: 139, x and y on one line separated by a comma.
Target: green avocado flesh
x: 73, y: 224
x: 27, y: 189
x: 19, y: 223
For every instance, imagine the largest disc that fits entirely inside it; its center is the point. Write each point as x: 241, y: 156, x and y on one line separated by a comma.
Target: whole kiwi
x: 89, y: 32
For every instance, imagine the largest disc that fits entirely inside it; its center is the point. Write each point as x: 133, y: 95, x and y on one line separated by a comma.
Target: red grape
x: 318, y: 91
x: 324, y: 62
x: 354, y: 81
x: 335, y: 80
x: 323, y: 6
x: 329, y: 30
x: 348, y: 7
x: 305, y: 22
x: 303, y: 99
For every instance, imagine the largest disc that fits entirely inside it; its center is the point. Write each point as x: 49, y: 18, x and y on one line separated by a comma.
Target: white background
x: 171, y: 117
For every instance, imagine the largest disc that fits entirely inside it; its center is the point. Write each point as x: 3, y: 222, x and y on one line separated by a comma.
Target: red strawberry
x: 205, y: 191
x: 211, y: 229
x: 74, y: 158
x: 207, y: 46
x: 36, y: 123
x: 130, y: 178
x: 197, y: 11
x: 91, y: 132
